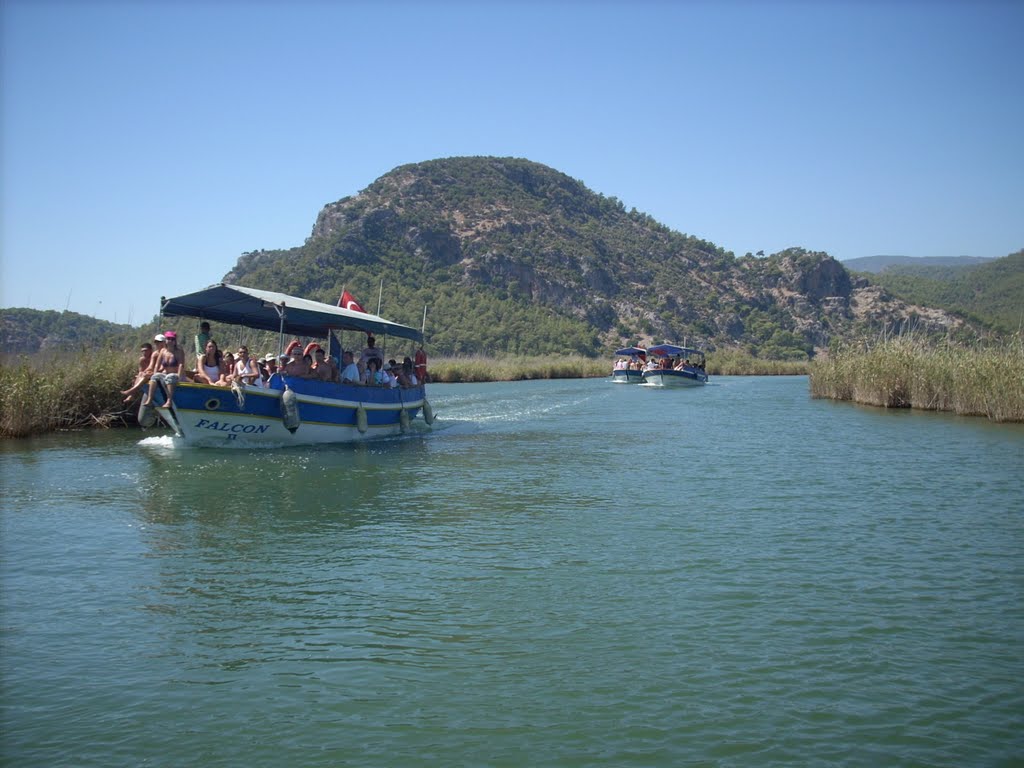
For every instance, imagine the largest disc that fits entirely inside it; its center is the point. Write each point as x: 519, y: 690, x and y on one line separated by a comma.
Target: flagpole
x: 423, y: 328
x: 380, y: 296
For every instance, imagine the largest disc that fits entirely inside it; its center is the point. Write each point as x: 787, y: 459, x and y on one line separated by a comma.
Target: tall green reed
x: 909, y: 372
x: 44, y: 394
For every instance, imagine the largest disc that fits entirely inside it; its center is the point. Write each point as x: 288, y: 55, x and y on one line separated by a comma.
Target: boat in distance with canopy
x: 629, y: 371
x: 675, y: 367
x: 287, y: 410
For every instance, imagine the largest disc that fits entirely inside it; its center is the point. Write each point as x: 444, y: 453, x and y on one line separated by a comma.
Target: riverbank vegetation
x: 908, y: 372
x: 83, y: 389
x: 67, y: 392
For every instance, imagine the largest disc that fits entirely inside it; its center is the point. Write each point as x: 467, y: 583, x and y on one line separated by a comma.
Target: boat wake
x: 171, y: 443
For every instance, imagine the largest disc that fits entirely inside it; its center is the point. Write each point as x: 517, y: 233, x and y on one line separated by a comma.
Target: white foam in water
x: 173, y: 443
x: 159, y: 441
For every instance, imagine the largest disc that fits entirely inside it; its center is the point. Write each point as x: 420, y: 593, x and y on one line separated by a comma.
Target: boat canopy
x: 671, y: 350
x: 638, y: 351
x: 271, y: 311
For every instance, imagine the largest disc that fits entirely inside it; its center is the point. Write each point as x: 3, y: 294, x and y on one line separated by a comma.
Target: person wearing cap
x: 168, y: 367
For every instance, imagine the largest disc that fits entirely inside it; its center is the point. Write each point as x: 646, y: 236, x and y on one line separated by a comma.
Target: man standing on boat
x: 371, y: 351
x: 201, y: 338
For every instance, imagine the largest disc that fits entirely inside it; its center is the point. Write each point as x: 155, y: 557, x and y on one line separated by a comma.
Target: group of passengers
x: 633, y: 364
x: 681, y: 364
x: 669, y: 364
x: 654, y: 364
x: 164, y: 360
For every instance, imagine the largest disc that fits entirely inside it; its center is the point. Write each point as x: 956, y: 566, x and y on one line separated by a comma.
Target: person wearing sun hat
x: 270, y: 365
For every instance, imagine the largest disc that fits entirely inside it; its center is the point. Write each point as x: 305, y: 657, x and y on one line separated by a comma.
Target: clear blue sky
x: 146, y: 145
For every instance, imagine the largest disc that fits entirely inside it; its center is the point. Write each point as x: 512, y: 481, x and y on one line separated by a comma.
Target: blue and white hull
x: 324, y: 413
x: 689, y: 377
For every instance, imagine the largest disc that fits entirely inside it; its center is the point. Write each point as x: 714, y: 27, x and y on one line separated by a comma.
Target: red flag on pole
x: 348, y: 301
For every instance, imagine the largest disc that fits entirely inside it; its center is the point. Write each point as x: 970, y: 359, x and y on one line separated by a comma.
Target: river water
x: 564, y: 573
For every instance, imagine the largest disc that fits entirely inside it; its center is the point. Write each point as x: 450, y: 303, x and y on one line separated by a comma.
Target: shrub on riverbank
x: 906, y: 372
x: 66, y: 392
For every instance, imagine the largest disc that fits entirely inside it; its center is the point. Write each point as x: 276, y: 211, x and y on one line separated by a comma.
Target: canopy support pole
x: 280, y: 309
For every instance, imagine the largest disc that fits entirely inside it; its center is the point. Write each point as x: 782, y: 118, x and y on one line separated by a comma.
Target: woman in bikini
x: 168, y: 368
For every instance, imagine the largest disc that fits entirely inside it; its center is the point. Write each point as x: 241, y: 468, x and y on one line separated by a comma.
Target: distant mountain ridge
x: 990, y: 293
x: 511, y: 256
x: 877, y: 264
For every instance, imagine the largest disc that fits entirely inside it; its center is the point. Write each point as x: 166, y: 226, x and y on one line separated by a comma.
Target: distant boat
x: 622, y: 373
x: 288, y: 410
x: 679, y: 367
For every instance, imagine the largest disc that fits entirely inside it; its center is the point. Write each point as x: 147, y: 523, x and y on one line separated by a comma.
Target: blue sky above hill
x: 146, y: 145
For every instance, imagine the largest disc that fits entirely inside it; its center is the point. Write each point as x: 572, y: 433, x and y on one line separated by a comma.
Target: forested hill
x: 991, y: 292
x: 27, y: 331
x: 511, y: 256
x: 884, y: 263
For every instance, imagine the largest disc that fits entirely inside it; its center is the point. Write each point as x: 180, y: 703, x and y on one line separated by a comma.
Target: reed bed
x: 907, y: 372
x: 735, y: 363
x: 453, y: 370
x: 66, y: 392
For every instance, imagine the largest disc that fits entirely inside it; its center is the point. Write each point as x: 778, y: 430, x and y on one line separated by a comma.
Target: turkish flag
x: 348, y: 301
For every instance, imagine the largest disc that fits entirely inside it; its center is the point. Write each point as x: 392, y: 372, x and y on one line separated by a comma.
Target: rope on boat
x: 239, y: 393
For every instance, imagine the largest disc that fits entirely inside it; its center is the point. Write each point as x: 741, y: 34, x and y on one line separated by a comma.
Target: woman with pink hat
x: 168, y: 368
